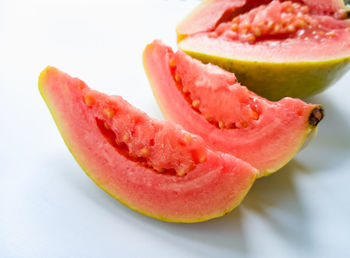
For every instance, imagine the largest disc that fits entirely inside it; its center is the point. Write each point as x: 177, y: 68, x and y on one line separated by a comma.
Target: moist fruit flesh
x: 275, y: 48
x: 210, y: 13
x: 154, y: 167
x: 208, y: 101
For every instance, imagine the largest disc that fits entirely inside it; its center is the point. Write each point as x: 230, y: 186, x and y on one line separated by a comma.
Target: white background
x: 50, y: 208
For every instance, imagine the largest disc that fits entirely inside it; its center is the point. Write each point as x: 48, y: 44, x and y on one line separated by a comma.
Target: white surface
x: 50, y: 208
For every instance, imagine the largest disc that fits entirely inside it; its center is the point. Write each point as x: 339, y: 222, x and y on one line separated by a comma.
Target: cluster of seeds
x: 125, y: 144
x: 274, y: 19
x: 277, y: 19
x: 253, y: 115
x: 196, y: 103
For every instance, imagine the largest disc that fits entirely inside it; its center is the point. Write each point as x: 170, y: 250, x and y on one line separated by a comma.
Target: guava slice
x: 208, y: 101
x: 275, y: 48
x: 154, y: 167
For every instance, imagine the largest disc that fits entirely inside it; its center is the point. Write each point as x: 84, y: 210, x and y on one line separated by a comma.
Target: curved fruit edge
x: 302, y: 143
x: 309, y: 134
x: 179, y: 35
x: 56, y: 118
x: 66, y: 141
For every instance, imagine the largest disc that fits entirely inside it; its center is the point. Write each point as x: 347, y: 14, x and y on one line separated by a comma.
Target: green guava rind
x: 277, y: 80
x: 84, y: 155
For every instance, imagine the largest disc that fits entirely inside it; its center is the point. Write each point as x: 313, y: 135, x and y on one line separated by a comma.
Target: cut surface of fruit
x: 154, y: 167
x: 227, y: 115
x: 209, y: 14
x: 276, y: 48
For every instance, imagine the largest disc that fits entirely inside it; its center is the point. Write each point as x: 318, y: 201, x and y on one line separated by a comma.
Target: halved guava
x: 275, y: 48
x: 154, y: 167
x: 208, y: 101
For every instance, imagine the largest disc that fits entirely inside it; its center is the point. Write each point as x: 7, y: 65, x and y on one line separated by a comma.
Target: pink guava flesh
x: 227, y: 115
x: 152, y: 166
x: 289, y: 30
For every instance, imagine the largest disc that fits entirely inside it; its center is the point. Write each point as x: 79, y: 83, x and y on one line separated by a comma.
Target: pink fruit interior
x: 151, y: 181
x: 215, y: 94
x: 164, y: 147
x: 280, y: 20
x: 227, y: 115
x: 282, y: 26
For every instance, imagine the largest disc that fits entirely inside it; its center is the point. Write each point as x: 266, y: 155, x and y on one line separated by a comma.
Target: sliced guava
x: 208, y: 101
x: 275, y: 48
x: 154, y: 167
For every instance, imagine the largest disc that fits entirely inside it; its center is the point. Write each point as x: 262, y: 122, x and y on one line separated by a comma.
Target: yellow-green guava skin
x: 277, y: 80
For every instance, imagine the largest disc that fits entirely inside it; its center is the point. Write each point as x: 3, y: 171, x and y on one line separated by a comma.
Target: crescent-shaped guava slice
x: 208, y: 101
x: 154, y: 167
x: 275, y: 48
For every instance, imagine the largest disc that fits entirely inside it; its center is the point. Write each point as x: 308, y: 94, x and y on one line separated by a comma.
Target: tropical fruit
x: 154, y: 167
x: 275, y: 48
x: 208, y: 101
